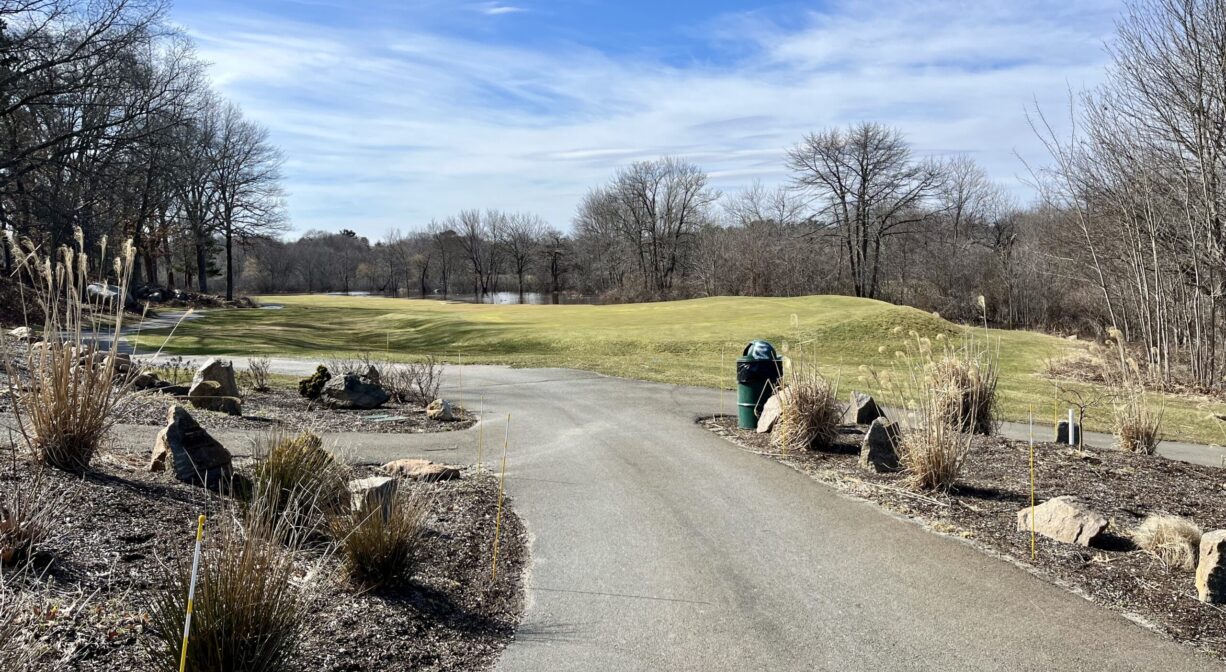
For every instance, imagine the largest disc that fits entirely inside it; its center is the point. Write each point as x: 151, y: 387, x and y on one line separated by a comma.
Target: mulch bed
x: 284, y: 407
x: 995, y: 484
x: 118, y: 524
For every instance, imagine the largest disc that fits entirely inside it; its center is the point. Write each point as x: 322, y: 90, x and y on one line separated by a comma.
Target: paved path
x: 657, y: 545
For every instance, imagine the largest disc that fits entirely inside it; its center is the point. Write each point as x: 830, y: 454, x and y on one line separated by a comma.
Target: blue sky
x: 394, y: 113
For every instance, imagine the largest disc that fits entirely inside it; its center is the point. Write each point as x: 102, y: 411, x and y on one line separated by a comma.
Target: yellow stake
x: 460, y: 375
x: 191, y: 593
x: 1033, y: 550
x: 501, y: 487
x: 719, y: 379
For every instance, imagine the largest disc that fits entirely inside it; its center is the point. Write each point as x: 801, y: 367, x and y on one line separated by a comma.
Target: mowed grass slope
x: 685, y: 342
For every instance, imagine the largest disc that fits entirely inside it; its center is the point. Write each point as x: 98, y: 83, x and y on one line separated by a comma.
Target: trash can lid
x: 760, y: 350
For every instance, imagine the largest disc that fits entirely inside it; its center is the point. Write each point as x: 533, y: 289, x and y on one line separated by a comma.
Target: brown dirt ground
x: 117, y: 524
x: 995, y: 484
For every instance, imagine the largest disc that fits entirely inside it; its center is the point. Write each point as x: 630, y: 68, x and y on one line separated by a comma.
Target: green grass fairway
x: 688, y: 342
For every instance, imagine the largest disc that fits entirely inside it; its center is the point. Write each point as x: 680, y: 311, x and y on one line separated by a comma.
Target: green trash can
x: 757, y: 373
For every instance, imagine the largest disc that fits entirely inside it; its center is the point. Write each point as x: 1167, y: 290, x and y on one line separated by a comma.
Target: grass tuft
x: 1173, y: 540
x: 27, y: 516
x: 379, y: 544
x: 304, y: 483
x: 1138, y: 425
x: 252, y: 599
x: 810, y: 410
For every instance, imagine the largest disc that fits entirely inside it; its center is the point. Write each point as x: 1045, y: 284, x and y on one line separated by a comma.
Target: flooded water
x: 534, y: 298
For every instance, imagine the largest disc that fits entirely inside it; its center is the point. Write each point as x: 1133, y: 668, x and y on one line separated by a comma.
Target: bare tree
x: 867, y: 187
x: 520, y: 237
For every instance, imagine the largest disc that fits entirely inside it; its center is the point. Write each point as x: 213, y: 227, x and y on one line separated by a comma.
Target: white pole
x: 1071, y: 442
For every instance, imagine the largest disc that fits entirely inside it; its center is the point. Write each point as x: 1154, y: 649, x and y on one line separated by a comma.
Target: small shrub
x: 259, y: 372
x: 810, y: 411
x: 73, y: 391
x: 1137, y: 424
x: 964, y: 385
x: 251, y: 604
x: 27, y: 513
x: 174, y: 370
x: 1173, y: 540
x: 312, y: 386
x: 303, y: 482
x: 380, y: 546
x: 22, y: 611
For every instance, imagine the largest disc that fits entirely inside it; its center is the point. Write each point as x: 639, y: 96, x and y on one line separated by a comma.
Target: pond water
x: 535, y: 298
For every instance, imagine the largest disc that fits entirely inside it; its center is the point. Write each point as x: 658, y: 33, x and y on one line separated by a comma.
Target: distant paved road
x: 657, y: 545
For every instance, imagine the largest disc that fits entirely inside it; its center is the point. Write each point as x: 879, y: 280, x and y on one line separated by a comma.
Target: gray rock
x: 214, y: 388
x: 22, y: 334
x: 146, y: 380
x: 97, y: 292
x: 353, y: 390
x: 771, y: 410
x: 879, y: 450
x: 1211, y: 569
x: 195, y: 456
x: 1064, y: 519
x: 374, y: 492
x: 863, y: 409
x: 440, y: 409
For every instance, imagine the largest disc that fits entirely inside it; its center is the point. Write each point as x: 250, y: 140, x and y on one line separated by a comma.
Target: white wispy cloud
x: 391, y: 126
x: 497, y: 9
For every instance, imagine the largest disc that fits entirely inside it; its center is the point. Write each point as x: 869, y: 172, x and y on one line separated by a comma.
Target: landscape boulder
x: 421, y: 470
x: 195, y: 456
x: 440, y: 409
x: 863, y: 409
x: 214, y: 388
x: 146, y: 380
x: 1211, y: 569
x: 354, y: 390
x: 109, y: 294
x: 771, y: 410
x: 1064, y: 519
x: 879, y: 450
x: 375, y: 491
x: 22, y: 334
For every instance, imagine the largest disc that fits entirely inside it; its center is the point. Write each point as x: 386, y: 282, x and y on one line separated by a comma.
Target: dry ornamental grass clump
x: 1137, y: 424
x: 379, y: 542
x: 1174, y: 540
x: 74, y: 388
x: 946, y: 395
x: 810, y: 412
x: 252, y: 601
x: 304, y: 482
x: 27, y: 514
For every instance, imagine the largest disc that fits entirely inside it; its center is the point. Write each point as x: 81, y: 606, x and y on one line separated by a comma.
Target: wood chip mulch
x: 117, y: 525
x: 995, y: 484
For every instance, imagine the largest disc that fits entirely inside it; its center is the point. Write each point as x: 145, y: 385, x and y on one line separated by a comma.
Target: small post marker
x: 480, y: 439
x: 1070, y: 428
x: 1033, y: 548
x: 502, y: 481
x: 460, y: 375
x: 722, y: 355
x: 191, y: 593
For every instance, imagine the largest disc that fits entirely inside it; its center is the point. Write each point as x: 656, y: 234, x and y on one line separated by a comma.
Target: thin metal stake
x: 501, y: 488
x: 1033, y: 548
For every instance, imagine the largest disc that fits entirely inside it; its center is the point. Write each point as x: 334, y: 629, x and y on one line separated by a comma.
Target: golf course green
x: 692, y: 342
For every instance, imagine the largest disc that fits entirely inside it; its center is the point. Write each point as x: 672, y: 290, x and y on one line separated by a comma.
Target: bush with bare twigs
x: 379, y: 542
x: 258, y: 373
x: 1174, y: 540
x: 22, y: 611
x: 415, y: 382
x: 810, y: 412
x: 27, y: 515
x: 252, y: 601
x: 74, y: 389
x: 305, y: 483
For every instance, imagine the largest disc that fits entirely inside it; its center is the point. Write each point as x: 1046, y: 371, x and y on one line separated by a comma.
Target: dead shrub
x: 23, y: 611
x: 963, y: 382
x: 1172, y: 539
x: 1137, y: 424
x: 303, y: 482
x: 810, y: 412
x: 258, y: 373
x: 27, y: 515
x: 73, y: 390
x: 252, y: 600
x: 378, y: 544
